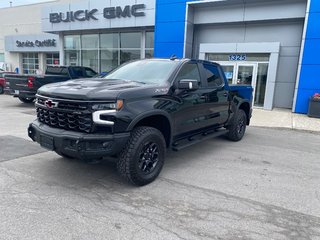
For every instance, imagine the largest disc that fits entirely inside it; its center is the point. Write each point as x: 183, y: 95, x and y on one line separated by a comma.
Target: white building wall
x: 21, y: 20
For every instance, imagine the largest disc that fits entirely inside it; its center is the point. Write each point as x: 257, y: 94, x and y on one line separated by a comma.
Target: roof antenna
x: 173, y: 57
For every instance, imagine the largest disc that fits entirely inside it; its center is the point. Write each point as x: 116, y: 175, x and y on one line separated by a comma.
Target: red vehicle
x: 2, y: 81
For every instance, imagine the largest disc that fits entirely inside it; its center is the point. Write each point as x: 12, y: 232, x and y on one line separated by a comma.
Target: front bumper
x: 78, y: 145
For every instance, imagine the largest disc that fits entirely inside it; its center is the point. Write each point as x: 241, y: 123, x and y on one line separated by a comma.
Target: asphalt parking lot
x: 264, y: 187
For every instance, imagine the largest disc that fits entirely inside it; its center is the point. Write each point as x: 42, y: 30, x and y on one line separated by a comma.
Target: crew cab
x: 140, y: 110
x: 25, y: 86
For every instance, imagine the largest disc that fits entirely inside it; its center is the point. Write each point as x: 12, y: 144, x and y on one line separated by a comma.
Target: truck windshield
x: 144, y: 71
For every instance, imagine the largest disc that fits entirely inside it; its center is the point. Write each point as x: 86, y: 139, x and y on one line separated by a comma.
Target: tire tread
x: 126, y: 155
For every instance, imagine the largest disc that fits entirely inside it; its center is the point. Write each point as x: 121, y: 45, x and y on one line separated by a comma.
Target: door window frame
x: 202, y: 82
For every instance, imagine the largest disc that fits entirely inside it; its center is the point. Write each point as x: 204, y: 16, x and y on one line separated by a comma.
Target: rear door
x: 215, y: 95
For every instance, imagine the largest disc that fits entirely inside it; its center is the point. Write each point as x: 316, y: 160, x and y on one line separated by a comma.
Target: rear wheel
x: 26, y: 100
x: 1, y: 89
x: 237, y: 128
x: 142, y: 159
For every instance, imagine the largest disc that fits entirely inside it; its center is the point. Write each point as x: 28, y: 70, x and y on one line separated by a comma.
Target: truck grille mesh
x: 65, y: 120
x: 69, y: 115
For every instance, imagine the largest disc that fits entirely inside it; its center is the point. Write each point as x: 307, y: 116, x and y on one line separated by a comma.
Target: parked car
x: 140, y: 110
x: 3, y: 81
x: 25, y: 86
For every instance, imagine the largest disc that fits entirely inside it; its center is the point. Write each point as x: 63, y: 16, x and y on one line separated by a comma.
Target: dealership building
x: 270, y: 44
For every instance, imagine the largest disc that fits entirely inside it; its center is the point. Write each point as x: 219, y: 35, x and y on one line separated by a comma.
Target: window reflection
x: 104, y: 52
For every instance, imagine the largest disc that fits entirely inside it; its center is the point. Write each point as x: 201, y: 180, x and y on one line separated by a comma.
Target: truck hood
x: 92, y: 89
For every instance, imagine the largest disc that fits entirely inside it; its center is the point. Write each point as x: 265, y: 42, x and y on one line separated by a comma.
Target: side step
x: 187, y: 142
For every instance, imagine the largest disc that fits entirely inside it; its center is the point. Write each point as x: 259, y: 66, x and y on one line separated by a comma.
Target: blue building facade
x: 309, y: 79
x: 170, y: 27
x: 298, y: 60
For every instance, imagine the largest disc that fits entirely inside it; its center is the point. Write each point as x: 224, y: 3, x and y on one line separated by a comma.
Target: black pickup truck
x: 25, y: 86
x: 140, y: 110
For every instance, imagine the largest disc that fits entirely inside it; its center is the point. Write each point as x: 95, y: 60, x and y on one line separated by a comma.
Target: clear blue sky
x: 6, y: 3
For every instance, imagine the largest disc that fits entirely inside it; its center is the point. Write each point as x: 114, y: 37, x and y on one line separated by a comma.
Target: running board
x: 189, y: 141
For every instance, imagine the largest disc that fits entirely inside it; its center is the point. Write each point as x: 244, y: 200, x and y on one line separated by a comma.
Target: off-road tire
x: 134, y: 160
x: 237, y: 128
x: 26, y: 100
x: 1, y: 90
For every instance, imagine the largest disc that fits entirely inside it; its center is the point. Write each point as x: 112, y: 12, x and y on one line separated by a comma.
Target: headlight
x: 108, y: 106
x: 104, y: 109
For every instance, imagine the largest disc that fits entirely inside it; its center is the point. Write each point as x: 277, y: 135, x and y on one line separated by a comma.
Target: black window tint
x: 57, y: 70
x: 90, y: 72
x: 213, y: 75
x: 189, y: 71
x: 78, y: 71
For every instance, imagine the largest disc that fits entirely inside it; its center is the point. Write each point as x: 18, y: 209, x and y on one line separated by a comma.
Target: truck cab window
x: 213, y: 75
x: 90, y: 72
x: 78, y: 71
x: 189, y: 71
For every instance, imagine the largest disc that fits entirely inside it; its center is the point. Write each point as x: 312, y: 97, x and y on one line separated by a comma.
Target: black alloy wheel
x: 149, y: 157
x: 241, y: 126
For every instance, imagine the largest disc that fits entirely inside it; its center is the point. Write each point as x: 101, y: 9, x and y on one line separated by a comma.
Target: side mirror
x: 188, y: 84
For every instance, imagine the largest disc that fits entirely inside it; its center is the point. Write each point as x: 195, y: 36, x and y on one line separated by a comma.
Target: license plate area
x: 47, y: 142
x: 16, y: 92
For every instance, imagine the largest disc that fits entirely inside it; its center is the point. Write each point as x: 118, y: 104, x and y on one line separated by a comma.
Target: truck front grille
x: 74, y: 121
x: 66, y: 105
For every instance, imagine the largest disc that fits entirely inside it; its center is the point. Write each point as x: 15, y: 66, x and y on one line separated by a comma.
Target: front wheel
x: 142, y: 159
x: 1, y: 90
x: 26, y: 100
x: 238, y: 126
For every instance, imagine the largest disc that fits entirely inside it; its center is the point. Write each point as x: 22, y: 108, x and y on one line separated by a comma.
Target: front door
x: 188, y: 114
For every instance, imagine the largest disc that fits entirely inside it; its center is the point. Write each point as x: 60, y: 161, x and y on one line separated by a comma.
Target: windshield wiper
x: 136, y: 81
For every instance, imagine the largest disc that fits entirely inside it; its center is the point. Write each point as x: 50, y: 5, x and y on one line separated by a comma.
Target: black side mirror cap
x: 188, y: 84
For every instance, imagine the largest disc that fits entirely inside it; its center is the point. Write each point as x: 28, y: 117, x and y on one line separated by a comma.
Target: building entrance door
x: 246, y: 74
x: 254, y: 74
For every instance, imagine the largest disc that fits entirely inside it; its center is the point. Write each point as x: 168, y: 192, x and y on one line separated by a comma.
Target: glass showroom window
x: 109, y: 53
x: 52, y: 59
x: 130, y: 46
x: 72, y: 50
x: 89, y: 51
x: 149, y: 51
x: 1, y: 57
x: 106, y: 51
x: 30, y: 63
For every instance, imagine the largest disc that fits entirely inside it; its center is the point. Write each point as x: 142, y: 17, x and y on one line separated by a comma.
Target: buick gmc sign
x: 108, y: 13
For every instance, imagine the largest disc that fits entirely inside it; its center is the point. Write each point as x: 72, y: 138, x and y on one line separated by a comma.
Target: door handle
x: 225, y: 94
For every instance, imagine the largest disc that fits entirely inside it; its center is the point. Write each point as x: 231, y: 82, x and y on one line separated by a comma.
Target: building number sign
x: 237, y: 57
